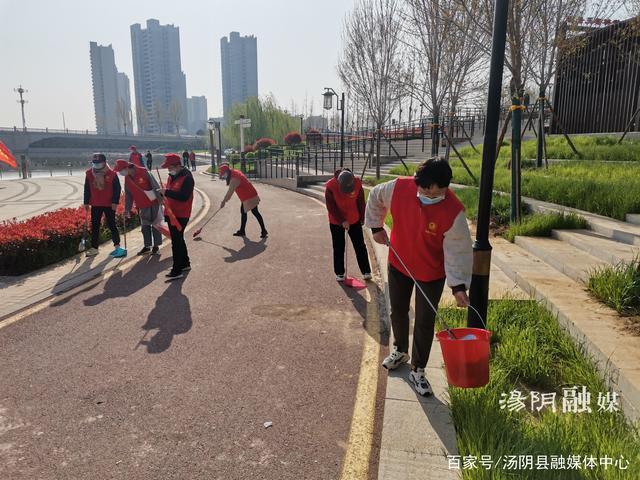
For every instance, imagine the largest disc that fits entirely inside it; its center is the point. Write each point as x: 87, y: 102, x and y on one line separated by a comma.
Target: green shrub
x: 618, y: 286
x: 541, y: 225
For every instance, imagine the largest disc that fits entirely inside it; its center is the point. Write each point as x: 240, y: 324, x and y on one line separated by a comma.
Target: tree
x: 371, y: 65
x: 142, y: 118
x: 124, y: 115
x: 439, y: 38
x: 158, y: 114
x: 267, y: 120
x: 175, y: 114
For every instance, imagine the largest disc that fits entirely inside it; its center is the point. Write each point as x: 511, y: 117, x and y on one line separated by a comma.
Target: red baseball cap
x: 224, y: 168
x: 121, y: 164
x: 171, y: 159
x: 133, y: 147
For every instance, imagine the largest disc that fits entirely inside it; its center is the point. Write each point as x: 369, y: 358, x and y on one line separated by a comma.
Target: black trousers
x: 178, y: 245
x: 357, y: 240
x: 96, y: 218
x: 400, y: 291
x: 256, y: 213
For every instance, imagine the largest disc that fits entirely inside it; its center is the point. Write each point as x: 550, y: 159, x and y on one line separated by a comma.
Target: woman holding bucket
x: 430, y: 241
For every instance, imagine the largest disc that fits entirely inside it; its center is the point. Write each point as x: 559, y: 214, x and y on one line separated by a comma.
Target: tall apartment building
x: 104, y: 77
x: 124, y: 103
x: 197, y: 114
x: 239, y: 56
x: 160, y: 84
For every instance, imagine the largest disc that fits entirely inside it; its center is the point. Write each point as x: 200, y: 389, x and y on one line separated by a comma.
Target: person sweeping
x: 179, y: 200
x: 431, y: 236
x: 142, y: 189
x: 247, y: 194
x: 101, y: 196
x: 135, y: 156
x: 344, y: 198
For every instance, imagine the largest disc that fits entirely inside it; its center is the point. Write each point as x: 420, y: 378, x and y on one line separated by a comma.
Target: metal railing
x: 90, y: 132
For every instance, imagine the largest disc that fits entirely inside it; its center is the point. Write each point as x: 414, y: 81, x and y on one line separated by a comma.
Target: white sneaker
x: 92, y: 252
x: 395, y: 359
x: 420, y: 382
x: 367, y: 276
x: 340, y: 278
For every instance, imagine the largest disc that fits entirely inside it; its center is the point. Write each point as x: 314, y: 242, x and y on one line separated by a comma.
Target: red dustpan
x: 350, y: 281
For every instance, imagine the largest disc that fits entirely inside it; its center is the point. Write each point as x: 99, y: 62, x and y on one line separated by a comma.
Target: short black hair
x: 433, y: 171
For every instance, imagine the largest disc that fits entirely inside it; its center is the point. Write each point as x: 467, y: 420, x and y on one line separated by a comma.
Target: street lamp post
x: 21, y: 91
x: 328, y: 101
x: 479, y: 291
x: 212, y: 126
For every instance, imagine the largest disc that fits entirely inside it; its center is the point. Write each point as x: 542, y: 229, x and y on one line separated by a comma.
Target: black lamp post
x: 479, y: 292
x: 328, y: 103
x: 211, y: 125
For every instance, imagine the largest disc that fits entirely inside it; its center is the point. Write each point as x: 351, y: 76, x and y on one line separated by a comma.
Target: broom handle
x: 346, y: 251
x: 124, y: 229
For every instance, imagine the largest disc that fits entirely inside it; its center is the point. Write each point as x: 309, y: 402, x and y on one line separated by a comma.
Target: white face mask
x: 173, y: 172
x: 428, y: 200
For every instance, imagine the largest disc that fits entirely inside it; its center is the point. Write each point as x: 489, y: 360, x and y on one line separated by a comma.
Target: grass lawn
x: 609, y: 189
x: 531, y: 353
x: 618, y: 287
x: 541, y: 225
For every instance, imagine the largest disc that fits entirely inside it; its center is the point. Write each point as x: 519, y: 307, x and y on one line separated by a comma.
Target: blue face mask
x: 430, y: 201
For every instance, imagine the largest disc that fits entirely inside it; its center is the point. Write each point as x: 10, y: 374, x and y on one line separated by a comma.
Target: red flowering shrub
x: 293, y: 138
x: 248, y: 148
x: 314, y: 137
x: 48, y: 238
x: 263, y: 143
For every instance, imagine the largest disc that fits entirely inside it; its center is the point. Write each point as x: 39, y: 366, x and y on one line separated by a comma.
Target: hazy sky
x: 44, y: 45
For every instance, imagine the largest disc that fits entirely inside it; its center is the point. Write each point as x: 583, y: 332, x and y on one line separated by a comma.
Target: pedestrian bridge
x: 21, y: 141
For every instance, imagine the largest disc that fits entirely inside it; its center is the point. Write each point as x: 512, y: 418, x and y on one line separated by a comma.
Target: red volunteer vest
x: 347, y: 203
x: 418, y: 230
x: 180, y: 209
x: 101, y: 197
x: 137, y: 185
x: 136, y: 159
x: 245, y: 190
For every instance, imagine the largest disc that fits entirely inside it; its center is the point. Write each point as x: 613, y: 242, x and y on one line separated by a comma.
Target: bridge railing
x: 89, y: 132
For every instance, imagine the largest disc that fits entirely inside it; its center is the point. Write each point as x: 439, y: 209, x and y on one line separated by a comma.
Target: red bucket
x: 466, y: 361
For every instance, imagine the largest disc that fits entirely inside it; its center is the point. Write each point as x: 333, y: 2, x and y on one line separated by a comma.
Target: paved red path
x: 258, y: 331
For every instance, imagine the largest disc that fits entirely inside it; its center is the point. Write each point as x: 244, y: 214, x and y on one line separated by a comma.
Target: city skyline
x: 59, y: 85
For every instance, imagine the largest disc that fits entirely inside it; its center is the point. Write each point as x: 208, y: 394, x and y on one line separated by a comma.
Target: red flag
x: 7, y: 157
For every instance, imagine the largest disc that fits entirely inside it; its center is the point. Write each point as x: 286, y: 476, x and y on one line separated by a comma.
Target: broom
x: 197, y: 232
x: 350, y: 281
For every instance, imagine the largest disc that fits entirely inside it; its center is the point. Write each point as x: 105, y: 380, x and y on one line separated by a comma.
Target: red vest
x: 347, y: 203
x: 137, y: 185
x: 136, y: 158
x: 101, y: 197
x: 245, y: 190
x: 180, y: 209
x: 418, y: 230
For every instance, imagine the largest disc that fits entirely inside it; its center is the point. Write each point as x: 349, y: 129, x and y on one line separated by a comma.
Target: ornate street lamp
x: 328, y: 105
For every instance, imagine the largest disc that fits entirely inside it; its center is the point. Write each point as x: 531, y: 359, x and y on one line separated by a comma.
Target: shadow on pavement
x: 249, y: 250
x: 171, y: 316
x: 122, y: 284
x: 437, y: 412
x: 361, y: 304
